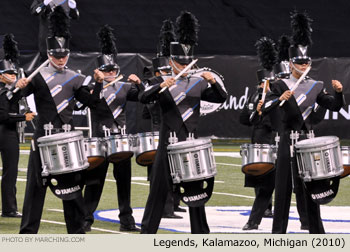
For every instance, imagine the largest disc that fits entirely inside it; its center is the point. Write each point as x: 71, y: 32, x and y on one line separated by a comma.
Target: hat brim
x: 108, y: 68
x: 182, y: 61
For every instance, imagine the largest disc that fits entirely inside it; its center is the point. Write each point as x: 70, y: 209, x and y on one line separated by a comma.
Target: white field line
x: 93, y: 228
x: 229, y: 164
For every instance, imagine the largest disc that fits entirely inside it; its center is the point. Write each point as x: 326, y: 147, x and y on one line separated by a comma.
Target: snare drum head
x: 60, y: 136
x: 316, y: 142
x: 323, y: 191
x: 67, y: 186
x: 189, y: 144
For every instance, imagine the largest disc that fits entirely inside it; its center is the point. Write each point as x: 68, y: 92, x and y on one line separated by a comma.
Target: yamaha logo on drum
x: 65, y: 156
x: 197, y: 163
x: 327, y: 161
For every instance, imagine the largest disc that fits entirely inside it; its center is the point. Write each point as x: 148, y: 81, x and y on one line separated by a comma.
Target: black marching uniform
x: 113, y: 117
x: 182, y: 119
x: 296, y: 117
x: 9, y: 148
x: 58, y: 110
x: 262, y: 133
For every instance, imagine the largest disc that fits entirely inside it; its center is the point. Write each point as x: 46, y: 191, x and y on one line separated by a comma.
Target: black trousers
x: 9, y: 149
x: 160, y: 185
x: 94, y: 188
x: 263, y: 201
x: 34, y: 202
x: 286, y: 178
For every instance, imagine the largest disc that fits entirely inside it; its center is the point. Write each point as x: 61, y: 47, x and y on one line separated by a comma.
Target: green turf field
x: 227, y: 192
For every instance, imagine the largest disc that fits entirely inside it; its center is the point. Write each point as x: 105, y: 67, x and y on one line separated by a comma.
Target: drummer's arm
x: 215, y: 93
x: 90, y: 99
x: 149, y: 93
x: 333, y: 103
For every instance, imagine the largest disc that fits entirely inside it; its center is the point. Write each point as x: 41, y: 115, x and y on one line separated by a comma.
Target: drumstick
x: 298, y: 82
x: 181, y: 73
x: 112, y: 82
x: 266, y: 83
x: 30, y: 77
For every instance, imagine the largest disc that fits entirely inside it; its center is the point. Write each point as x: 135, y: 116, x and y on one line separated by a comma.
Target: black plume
x: 282, y: 48
x: 301, y: 28
x: 59, y: 23
x: 266, y: 51
x: 187, y: 28
x: 166, y: 36
x: 107, y: 40
x: 10, y: 48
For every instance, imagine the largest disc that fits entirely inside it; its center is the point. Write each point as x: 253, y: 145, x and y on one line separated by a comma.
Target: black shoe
x: 129, y: 228
x: 87, y: 226
x: 250, y: 226
x: 12, y: 215
x: 304, y: 227
x: 179, y: 209
x: 268, y: 213
x: 171, y: 216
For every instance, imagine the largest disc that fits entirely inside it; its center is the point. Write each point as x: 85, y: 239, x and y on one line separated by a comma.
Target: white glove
x: 72, y: 4
x: 46, y: 2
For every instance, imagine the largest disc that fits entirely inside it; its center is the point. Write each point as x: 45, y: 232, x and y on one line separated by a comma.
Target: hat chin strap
x: 174, y: 66
x: 296, y: 69
x: 55, y: 65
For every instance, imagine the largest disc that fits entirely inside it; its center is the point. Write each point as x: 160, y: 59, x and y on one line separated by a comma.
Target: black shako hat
x: 299, y: 51
x: 107, y: 61
x: 11, y: 54
x: 166, y: 36
x: 187, y: 28
x: 266, y: 51
x: 281, y: 69
x: 59, y: 35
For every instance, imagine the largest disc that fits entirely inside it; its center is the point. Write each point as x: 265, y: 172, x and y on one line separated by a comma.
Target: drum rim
x: 91, y: 139
x: 311, y: 143
x: 259, y: 145
x: 74, y: 133
x: 189, y: 143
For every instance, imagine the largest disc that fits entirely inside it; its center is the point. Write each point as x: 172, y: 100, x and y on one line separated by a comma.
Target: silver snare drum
x: 191, y: 160
x: 319, y: 158
x: 118, y: 148
x: 95, y: 150
x: 345, y: 151
x: 145, y: 147
x: 62, y: 153
x: 258, y: 159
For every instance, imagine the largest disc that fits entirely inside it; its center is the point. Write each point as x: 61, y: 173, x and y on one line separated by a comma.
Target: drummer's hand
x: 258, y: 107
x: 168, y: 82
x: 22, y: 83
x: 208, y: 77
x: 98, y: 76
x: 134, y: 79
x: 286, y: 95
x: 337, y: 86
x: 29, y: 116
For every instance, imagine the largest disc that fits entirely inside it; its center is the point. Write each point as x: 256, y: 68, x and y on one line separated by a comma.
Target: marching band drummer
x: 104, y: 115
x: 181, y: 118
x: 54, y: 89
x: 262, y: 133
x: 298, y: 106
x: 9, y: 117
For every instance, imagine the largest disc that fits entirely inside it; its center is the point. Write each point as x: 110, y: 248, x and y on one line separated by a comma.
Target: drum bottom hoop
x: 346, y: 171
x: 95, y: 161
x: 120, y: 156
x: 195, y: 179
x: 69, y: 171
x: 257, y: 169
x: 146, y: 158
